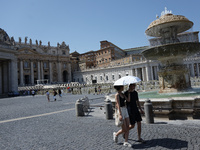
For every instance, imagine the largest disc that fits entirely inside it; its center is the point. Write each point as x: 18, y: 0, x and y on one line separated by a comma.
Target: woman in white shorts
x: 120, y: 100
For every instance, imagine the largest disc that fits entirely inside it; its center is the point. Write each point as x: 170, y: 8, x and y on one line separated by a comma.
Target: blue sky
x: 82, y: 24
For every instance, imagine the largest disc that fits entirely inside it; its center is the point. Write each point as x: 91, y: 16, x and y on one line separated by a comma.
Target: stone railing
x: 106, y: 88
x: 171, y: 108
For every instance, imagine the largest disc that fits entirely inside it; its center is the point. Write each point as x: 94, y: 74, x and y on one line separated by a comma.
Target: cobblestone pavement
x: 32, y: 123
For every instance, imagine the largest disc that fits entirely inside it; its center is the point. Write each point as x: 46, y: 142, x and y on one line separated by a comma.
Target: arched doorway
x: 27, y: 79
x: 65, y: 76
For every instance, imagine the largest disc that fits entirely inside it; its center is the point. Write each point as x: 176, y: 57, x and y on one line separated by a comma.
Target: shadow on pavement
x: 160, y: 122
x: 165, y: 143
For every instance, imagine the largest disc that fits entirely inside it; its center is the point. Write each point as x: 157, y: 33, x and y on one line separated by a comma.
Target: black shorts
x: 135, y: 117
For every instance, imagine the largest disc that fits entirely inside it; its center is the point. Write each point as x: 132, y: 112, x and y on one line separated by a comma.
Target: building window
x: 64, y: 66
x: 54, y: 52
x: 101, y: 78
x: 26, y: 64
x: 63, y: 52
x: 107, y: 78
x: 119, y: 76
x: 113, y: 77
x: 126, y: 74
x: 34, y: 65
x: 45, y: 65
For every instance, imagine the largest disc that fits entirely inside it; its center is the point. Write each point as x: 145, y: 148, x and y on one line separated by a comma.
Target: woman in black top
x: 132, y: 107
x: 120, y: 100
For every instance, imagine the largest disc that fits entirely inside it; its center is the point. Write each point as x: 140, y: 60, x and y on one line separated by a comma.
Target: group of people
x: 97, y: 91
x: 128, y: 106
x: 54, y: 94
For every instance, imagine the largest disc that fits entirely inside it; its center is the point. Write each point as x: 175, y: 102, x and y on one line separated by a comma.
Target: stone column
x: 50, y: 72
x: 1, y: 84
x: 136, y: 72
x: 59, y: 72
x: 148, y: 73
x: 152, y: 76
x: 21, y: 73
x: 13, y: 75
x: 69, y: 72
x: 32, y: 73
x: 143, y: 74
x: 38, y: 68
x: 42, y: 70
x: 189, y: 70
x: 197, y: 69
x: 5, y: 77
x: 192, y: 70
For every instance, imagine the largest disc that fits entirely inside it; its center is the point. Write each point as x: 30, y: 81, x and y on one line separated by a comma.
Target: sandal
x: 141, y: 140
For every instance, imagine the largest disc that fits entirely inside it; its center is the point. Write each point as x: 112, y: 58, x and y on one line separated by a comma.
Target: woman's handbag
x: 118, y: 122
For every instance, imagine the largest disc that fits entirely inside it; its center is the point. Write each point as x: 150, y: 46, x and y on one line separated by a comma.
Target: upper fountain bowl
x: 181, y: 23
x: 172, y: 51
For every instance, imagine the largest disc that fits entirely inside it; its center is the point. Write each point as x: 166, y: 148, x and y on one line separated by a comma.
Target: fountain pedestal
x: 174, y: 78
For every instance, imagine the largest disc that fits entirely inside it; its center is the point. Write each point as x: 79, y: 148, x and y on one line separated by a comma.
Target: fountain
x: 170, y: 51
x: 175, y: 99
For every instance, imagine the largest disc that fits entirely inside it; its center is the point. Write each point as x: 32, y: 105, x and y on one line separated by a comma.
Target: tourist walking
x: 132, y: 107
x: 120, y: 99
x: 54, y: 95
x: 47, y: 94
x: 99, y: 90
x: 59, y: 92
x: 95, y: 90
x: 33, y: 93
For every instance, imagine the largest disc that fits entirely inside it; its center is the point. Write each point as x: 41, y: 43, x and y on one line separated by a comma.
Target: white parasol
x: 127, y: 80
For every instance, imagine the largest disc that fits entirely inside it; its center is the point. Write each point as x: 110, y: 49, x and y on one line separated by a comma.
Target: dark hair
x: 132, y: 84
x: 118, y: 87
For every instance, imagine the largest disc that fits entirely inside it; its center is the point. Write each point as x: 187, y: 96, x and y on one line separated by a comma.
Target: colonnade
x: 146, y: 73
x: 8, y: 73
x: 41, y: 72
x: 194, y: 69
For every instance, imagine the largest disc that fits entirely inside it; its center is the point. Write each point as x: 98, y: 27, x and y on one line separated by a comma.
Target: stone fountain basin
x: 166, y: 21
x: 172, y: 51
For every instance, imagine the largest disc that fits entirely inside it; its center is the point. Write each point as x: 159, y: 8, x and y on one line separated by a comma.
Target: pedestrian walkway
x: 54, y: 126
x: 163, y: 134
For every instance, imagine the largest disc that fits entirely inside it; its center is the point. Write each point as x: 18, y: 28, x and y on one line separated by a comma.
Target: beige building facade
x: 23, y: 63
x: 39, y: 64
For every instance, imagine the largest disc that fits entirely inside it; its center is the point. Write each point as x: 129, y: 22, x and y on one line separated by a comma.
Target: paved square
x: 33, y: 123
